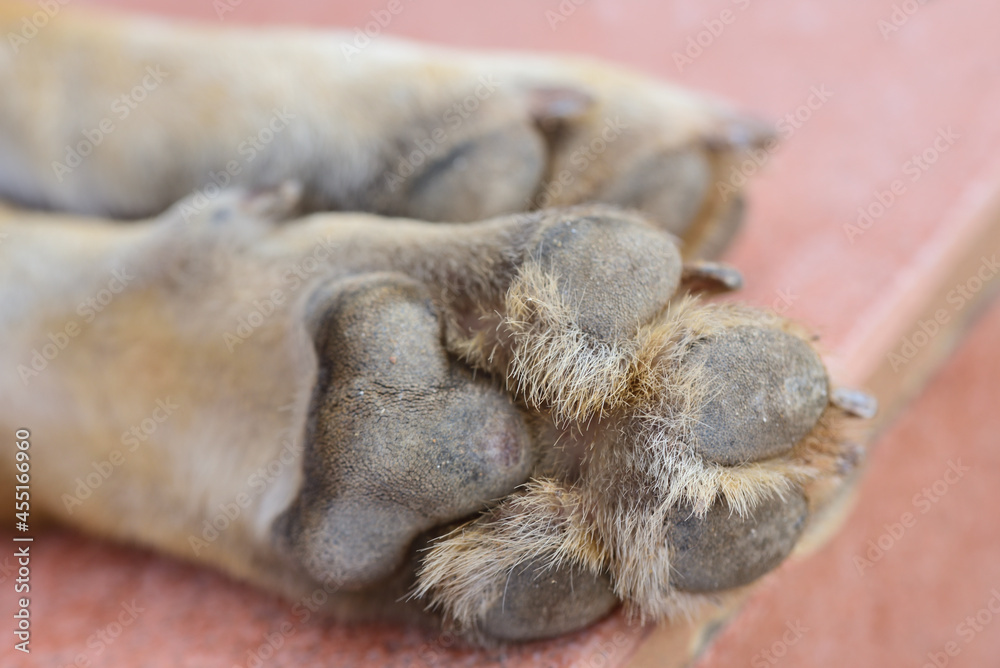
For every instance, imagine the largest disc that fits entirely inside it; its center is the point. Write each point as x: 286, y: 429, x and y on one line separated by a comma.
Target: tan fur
x: 643, y: 452
x: 341, y: 140
x: 576, y: 319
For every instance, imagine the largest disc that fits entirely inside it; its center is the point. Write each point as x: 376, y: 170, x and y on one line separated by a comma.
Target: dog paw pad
x: 723, y: 550
x: 767, y: 389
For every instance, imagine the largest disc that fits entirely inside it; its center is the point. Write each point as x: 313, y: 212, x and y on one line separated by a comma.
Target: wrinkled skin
x: 509, y: 404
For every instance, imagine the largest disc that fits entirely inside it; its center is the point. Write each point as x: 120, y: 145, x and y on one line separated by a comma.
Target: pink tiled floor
x: 890, y: 97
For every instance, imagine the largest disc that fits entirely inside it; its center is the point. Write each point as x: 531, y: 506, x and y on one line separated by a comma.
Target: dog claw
x: 855, y: 402
x: 711, y: 277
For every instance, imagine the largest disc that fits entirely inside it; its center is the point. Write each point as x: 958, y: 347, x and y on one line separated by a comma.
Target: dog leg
x: 122, y: 117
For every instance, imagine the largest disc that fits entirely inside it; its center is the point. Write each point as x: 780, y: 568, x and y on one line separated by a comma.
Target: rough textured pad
x: 400, y: 437
x: 615, y: 275
x: 767, y: 390
x: 723, y: 550
x: 541, y: 602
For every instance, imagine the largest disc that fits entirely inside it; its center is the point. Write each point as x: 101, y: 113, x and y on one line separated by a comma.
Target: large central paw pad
x: 401, y: 437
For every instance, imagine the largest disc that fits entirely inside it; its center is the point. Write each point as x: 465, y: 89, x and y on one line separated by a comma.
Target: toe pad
x: 766, y: 390
x: 723, y: 550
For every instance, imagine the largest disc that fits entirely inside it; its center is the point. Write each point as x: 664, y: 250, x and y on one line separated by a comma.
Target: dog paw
x: 648, y: 146
x: 683, y: 447
x: 556, y: 133
x: 549, y: 403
